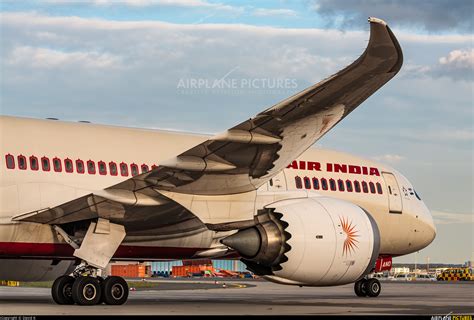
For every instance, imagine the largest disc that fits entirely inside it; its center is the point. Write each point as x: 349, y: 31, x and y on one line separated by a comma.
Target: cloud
x: 196, y: 4
x: 439, y: 135
x: 456, y: 135
x: 286, y: 52
x: 434, y: 15
x: 190, y: 4
x: 55, y: 59
x: 25, y: 56
x: 262, y: 12
x: 390, y: 158
x: 457, y: 65
x: 442, y: 217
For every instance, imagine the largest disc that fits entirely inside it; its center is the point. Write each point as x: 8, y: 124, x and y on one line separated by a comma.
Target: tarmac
x: 250, y: 297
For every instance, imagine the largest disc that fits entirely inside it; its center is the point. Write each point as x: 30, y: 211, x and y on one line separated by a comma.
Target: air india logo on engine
x: 351, y: 234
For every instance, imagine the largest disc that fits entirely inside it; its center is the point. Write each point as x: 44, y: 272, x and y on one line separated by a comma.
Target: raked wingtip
x: 377, y: 20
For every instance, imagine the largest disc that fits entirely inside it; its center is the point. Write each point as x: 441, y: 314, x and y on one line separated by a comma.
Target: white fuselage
x: 404, y: 221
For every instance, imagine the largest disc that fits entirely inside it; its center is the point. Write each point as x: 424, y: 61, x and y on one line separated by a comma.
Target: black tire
x: 373, y: 287
x: 86, y: 291
x: 101, y: 280
x: 114, y: 291
x: 61, y: 291
x: 360, y: 288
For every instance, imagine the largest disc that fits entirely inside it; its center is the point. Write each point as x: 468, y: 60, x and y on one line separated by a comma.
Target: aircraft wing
x: 249, y: 154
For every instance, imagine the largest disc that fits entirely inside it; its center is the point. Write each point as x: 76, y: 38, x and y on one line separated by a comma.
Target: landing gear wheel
x: 62, y: 290
x: 114, y: 291
x: 373, y: 287
x: 360, y: 288
x: 86, y: 291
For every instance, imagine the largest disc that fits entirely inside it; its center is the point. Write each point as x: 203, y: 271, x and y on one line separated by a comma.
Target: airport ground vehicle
x: 378, y: 275
x: 85, y: 193
x: 424, y: 277
x: 403, y: 277
x: 456, y: 274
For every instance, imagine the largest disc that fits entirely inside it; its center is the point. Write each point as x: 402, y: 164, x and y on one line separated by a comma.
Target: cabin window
x: 134, y: 169
x: 154, y: 166
x: 357, y: 186
x: 298, y: 182
x: 80, y: 166
x: 379, y: 188
x: 113, y: 168
x: 364, y: 187
x: 324, y: 184
x: 91, y: 167
x: 102, y: 168
x: 124, y: 169
x: 68, y: 167
x: 34, y: 165
x: 57, y: 165
x: 332, y: 184
x: 22, y: 162
x: 372, y: 187
x: 349, y: 185
x: 10, y: 161
x: 340, y: 184
x: 315, y: 183
x: 144, y: 168
x: 307, y: 183
x: 45, y: 164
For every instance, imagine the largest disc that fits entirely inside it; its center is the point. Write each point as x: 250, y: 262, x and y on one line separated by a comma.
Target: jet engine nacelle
x: 316, y: 241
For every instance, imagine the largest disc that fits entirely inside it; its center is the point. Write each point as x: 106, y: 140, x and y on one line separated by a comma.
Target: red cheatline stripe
x: 45, y: 250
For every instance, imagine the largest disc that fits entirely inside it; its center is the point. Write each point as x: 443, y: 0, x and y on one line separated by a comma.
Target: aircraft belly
x: 23, y: 240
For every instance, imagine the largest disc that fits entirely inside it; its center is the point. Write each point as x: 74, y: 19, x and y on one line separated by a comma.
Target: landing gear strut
x: 367, y: 287
x: 86, y: 288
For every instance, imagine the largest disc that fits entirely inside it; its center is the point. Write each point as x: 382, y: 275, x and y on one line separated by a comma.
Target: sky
x: 153, y: 63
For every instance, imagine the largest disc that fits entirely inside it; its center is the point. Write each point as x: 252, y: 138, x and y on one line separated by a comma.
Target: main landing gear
x: 367, y: 287
x: 85, y: 288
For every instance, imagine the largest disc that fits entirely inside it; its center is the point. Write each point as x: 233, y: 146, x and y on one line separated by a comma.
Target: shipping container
x: 130, y: 271
x: 191, y: 270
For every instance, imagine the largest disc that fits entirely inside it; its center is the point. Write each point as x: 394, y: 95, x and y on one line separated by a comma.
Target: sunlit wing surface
x: 249, y: 154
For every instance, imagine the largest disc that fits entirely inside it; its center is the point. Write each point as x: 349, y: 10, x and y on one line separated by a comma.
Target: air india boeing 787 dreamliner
x: 75, y: 196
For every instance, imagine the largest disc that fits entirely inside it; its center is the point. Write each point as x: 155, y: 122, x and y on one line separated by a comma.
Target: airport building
x: 230, y: 265
x: 165, y: 267
x: 398, y: 270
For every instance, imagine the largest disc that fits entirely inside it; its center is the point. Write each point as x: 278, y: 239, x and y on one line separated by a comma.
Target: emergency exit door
x: 394, y: 196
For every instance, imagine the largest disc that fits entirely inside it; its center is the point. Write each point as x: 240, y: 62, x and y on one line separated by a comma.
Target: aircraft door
x: 278, y: 182
x: 394, y: 196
